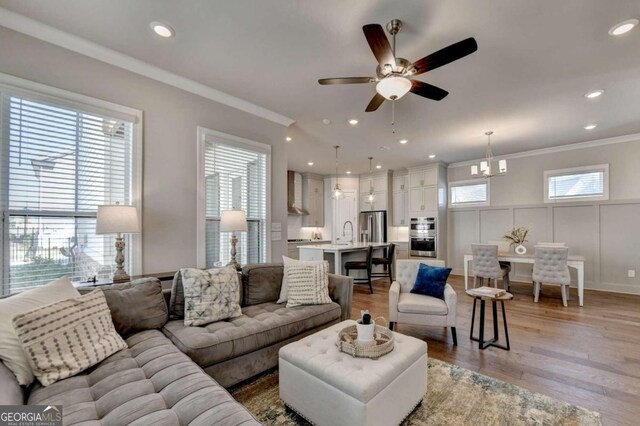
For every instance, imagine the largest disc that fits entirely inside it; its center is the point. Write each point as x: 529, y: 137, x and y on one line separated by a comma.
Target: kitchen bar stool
x: 387, y: 262
x: 362, y: 266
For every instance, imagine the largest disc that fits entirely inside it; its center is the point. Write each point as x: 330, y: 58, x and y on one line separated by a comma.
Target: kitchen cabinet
x: 313, y: 201
x: 399, y: 210
x: 423, y: 177
x: 399, y: 183
x: 378, y: 182
x: 379, y: 203
x: 423, y: 200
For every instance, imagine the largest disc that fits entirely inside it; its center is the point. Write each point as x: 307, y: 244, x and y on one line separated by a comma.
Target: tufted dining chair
x: 418, y: 309
x: 550, y: 267
x: 486, y: 265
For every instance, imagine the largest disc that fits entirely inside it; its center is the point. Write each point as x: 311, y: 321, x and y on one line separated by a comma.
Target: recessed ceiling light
x: 432, y: 156
x: 623, y: 27
x: 326, y: 121
x: 162, y: 29
x: 310, y: 163
x: 594, y: 94
x: 352, y: 121
x: 288, y: 139
x: 348, y: 172
x: 403, y: 141
x: 590, y: 127
x: 378, y: 166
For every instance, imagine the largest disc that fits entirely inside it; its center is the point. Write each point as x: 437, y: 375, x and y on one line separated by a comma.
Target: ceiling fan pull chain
x: 393, y: 116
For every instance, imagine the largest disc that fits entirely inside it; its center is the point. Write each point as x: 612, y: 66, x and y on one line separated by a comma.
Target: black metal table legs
x: 483, y: 344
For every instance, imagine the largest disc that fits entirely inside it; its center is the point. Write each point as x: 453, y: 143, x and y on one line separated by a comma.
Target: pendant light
x: 337, y: 192
x: 371, y: 197
x: 486, y: 170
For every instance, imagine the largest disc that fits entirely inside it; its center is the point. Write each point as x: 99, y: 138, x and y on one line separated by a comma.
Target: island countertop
x: 342, y: 247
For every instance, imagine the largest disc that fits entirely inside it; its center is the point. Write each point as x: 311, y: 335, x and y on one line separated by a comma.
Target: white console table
x: 576, y: 262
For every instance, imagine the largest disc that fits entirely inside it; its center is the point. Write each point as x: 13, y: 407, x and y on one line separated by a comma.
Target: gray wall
x: 169, y: 161
x: 606, y: 233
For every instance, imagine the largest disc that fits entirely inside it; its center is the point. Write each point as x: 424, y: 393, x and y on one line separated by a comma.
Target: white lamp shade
x: 393, y: 87
x: 502, y: 166
x: 233, y: 221
x: 116, y: 219
x: 474, y: 170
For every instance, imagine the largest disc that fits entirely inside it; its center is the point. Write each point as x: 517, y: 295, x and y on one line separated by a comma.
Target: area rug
x: 455, y: 396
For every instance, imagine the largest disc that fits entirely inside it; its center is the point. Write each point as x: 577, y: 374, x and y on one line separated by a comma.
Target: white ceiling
x: 526, y: 81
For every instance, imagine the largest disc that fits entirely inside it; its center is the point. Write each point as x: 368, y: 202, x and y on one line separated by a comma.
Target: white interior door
x: 345, y: 209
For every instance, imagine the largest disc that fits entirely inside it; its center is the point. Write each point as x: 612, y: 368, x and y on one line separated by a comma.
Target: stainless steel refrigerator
x: 373, y: 226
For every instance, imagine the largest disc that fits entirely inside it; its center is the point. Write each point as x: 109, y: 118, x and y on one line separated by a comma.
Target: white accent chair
x: 406, y: 307
x: 551, y: 267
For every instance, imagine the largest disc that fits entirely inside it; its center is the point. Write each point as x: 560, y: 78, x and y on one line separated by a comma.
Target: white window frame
x: 485, y: 203
x: 11, y: 85
x: 576, y: 170
x: 201, y: 217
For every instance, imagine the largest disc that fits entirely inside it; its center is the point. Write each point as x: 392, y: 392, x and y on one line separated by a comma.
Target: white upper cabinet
x: 400, y: 183
x: 379, y: 182
x: 423, y: 200
x: 423, y: 177
x: 400, y: 209
x: 313, y: 201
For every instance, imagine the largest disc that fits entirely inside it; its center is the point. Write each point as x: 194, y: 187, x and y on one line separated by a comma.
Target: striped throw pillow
x: 67, y: 337
x: 308, y: 284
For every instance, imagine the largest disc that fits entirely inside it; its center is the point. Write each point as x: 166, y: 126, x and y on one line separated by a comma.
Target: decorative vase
x: 520, y: 249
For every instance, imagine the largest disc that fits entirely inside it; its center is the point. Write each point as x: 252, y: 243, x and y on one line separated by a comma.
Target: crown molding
x: 49, y: 34
x: 554, y: 149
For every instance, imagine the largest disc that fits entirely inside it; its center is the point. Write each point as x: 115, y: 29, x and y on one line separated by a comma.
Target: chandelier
x: 337, y: 192
x: 371, y: 197
x: 486, y: 169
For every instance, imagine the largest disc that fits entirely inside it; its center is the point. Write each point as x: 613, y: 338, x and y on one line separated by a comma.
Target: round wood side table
x: 483, y: 344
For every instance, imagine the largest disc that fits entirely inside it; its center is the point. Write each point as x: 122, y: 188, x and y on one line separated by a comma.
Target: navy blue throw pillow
x: 431, y: 281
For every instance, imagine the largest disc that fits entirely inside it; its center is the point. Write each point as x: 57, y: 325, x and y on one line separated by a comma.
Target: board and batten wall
x: 171, y: 118
x: 606, y: 233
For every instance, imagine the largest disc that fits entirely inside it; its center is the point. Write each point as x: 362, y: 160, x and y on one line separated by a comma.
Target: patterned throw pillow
x: 308, y: 284
x: 67, y: 337
x: 210, y: 295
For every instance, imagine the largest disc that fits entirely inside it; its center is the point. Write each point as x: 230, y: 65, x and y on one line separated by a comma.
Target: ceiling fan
x: 393, y: 73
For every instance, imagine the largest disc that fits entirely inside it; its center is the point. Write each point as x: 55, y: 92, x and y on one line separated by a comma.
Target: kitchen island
x: 338, y: 254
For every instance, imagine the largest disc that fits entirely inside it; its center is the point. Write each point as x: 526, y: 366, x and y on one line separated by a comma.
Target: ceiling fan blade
x: 427, y: 90
x: 444, y: 56
x: 379, y: 44
x: 346, y: 80
x: 375, y: 103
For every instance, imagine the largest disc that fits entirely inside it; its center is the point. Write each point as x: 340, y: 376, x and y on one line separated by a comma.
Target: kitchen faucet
x: 343, y: 228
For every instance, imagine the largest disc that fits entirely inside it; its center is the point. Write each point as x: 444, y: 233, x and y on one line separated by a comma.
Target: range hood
x: 293, y: 210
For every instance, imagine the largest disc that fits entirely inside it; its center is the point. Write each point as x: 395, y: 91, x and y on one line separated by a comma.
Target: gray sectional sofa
x: 160, y: 378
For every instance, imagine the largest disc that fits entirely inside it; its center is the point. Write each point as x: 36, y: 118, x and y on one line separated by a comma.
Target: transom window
x: 469, y: 193
x: 577, y: 184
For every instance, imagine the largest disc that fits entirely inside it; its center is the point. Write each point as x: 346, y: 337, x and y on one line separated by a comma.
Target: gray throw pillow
x: 136, y: 306
x: 176, y: 302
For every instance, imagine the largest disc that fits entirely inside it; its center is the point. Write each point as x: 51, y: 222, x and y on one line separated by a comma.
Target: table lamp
x: 118, y: 219
x: 233, y: 221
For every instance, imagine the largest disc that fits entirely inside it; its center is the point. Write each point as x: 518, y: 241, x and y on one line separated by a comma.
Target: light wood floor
x: 587, y: 356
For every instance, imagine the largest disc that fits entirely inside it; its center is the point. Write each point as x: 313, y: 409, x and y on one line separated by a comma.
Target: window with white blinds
x: 469, y: 193
x: 60, y: 162
x: 577, y: 184
x: 235, y: 176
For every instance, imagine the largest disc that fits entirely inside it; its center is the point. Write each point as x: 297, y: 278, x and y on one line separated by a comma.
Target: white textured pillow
x: 308, y: 284
x: 67, y: 337
x: 11, y: 351
x: 284, y: 288
x: 210, y: 295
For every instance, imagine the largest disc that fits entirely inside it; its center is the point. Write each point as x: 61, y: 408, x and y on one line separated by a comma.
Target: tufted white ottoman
x: 329, y: 387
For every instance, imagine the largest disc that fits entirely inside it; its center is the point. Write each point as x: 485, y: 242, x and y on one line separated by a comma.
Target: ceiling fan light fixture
x: 393, y: 87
